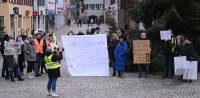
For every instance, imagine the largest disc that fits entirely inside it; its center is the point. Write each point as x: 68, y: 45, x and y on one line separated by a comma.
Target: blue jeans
x: 52, y: 84
x: 146, y: 71
x: 14, y: 70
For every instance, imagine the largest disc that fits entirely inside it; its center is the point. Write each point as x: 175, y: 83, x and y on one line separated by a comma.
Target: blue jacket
x: 120, y: 53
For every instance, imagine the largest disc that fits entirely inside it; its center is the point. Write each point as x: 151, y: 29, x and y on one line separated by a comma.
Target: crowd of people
x: 119, y: 49
x: 38, y: 54
x: 40, y: 50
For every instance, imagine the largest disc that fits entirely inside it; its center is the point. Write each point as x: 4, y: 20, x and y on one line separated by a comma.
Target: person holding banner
x: 169, y: 51
x: 120, y: 54
x: 53, y: 66
x: 143, y: 37
x: 190, y: 53
x: 12, y: 63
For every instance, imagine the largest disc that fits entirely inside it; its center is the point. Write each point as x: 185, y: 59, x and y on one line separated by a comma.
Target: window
x: 42, y: 2
x: 1, y: 20
x: 92, y: 6
x: 86, y: 6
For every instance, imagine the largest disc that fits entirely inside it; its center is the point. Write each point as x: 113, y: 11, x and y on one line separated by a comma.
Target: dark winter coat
x: 189, y: 52
x: 121, y: 56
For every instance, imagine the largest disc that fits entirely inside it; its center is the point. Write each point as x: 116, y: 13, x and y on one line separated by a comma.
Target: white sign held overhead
x: 86, y: 55
x: 179, y: 65
x: 165, y: 35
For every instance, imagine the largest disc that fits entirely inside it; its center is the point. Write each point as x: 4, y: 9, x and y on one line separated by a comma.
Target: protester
x: 91, y: 22
x: 21, y: 58
x: 189, y: 52
x: 179, y: 44
x: 112, y: 47
x: 88, y: 22
x: 69, y: 22
x: 140, y: 70
x: 120, y: 56
x: 54, y: 36
x: 40, y: 47
x: 30, y: 54
x: 80, y: 33
x: 97, y: 31
x: 88, y: 32
x: 169, y: 52
x: 53, y: 69
x: 12, y: 63
x: 70, y: 33
x: 5, y: 72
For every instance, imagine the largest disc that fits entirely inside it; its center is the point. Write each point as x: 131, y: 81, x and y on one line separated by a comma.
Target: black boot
x: 114, y: 73
x: 20, y: 78
x: 12, y: 78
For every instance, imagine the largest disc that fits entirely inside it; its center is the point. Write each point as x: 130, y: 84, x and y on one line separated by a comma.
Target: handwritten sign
x: 86, y: 55
x: 12, y: 48
x: 165, y: 35
x: 141, y: 51
x: 190, y: 70
x: 179, y: 65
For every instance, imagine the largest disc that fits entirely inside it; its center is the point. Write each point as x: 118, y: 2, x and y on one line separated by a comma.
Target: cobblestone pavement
x: 101, y: 87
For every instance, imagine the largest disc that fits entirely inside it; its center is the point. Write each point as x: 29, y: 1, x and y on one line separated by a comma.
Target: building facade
x: 60, y: 14
x: 16, y: 15
x: 116, y: 9
x: 92, y: 9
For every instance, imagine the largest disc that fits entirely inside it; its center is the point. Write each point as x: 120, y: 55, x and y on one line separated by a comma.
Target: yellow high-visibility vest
x: 50, y: 64
x: 173, y: 41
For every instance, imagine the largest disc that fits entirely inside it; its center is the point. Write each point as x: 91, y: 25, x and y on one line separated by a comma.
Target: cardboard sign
x: 141, y: 51
x: 165, y: 35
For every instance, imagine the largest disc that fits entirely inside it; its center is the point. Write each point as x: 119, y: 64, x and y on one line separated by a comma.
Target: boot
x: 119, y: 74
x: 20, y: 78
x: 12, y: 79
x: 122, y: 75
x: 114, y: 73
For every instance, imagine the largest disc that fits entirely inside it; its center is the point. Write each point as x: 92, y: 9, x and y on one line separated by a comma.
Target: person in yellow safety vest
x: 54, y: 36
x: 52, y: 61
x: 40, y: 46
x: 169, y: 51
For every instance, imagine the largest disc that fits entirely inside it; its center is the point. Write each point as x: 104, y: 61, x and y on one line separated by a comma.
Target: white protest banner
x: 190, y: 70
x: 165, y: 35
x: 179, y: 65
x: 86, y: 55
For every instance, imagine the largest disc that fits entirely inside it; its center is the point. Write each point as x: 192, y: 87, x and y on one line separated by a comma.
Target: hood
x: 48, y: 53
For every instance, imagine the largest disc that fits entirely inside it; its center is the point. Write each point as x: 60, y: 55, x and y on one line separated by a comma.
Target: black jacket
x: 189, y: 52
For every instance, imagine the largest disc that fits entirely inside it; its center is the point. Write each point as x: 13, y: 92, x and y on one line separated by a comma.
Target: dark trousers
x: 15, y: 71
x: 21, y: 63
x: 5, y: 68
x: 39, y: 63
x: 146, y: 67
x: 168, y: 66
x: 43, y: 66
x: 31, y: 66
x: 114, y: 67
